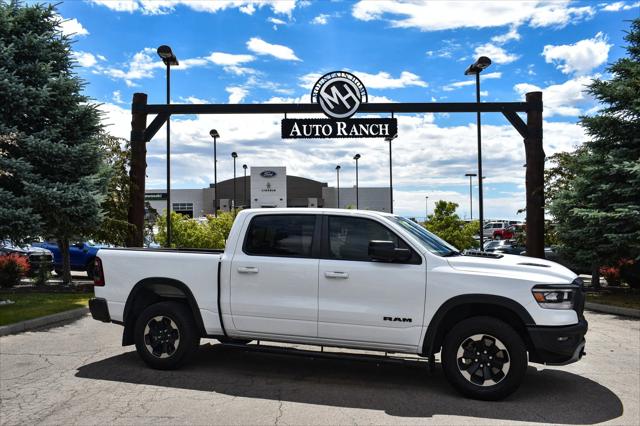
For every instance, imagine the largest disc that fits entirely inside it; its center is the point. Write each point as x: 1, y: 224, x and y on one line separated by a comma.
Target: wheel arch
x: 152, y: 290
x: 459, y: 308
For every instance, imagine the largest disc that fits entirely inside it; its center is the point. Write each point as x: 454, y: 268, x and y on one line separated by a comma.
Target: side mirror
x: 386, y: 251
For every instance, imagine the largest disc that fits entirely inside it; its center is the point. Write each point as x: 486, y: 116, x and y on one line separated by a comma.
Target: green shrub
x: 446, y: 224
x: 193, y: 233
x: 12, y: 268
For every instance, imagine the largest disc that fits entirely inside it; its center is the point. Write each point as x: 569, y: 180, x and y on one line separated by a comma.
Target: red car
x: 508, y: 233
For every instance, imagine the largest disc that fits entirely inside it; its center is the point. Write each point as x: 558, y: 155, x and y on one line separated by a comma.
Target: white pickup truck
x: 351, y: 279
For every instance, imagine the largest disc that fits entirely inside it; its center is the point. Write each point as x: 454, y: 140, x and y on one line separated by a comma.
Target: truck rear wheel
x: 165, y: 335
x: 484, y: 358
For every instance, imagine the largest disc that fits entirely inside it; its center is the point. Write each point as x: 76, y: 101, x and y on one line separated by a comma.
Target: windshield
x: 434, y: 244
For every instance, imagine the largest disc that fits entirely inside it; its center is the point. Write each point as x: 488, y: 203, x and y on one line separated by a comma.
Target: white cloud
x: 618, y: 6
x: 512, y: 34
x: 117, y: 97
x: 84, y: 59
x: 579, y: 58
x: 276, y: 21
x: 471, y: 81
x: 381, y: 80
x: 158, y: 7
x: 496, y: 53
x: 446, y: 15
x: 236, y: 94
x: 221, y: 58
x: 261, y: 47
x: 568, y: 99
x: 72, y: 27
x: 321, y: 19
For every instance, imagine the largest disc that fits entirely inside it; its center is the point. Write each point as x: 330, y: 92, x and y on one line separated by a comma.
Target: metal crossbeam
x: 410, y: 107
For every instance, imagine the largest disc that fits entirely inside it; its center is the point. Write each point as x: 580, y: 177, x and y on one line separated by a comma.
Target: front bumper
x: 558, y: 345
x: 99, y: 309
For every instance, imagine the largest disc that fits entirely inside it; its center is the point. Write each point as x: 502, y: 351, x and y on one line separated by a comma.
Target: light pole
x: 471, y: 175
x: 244, y: 201
x: 233, y: 204
x: 357, y: 157
x: 389, y: 139
x: 215, y: 135
x: 338, y: 180
x: 169, y: 59
x: 426, y: 208
x: 475, y: 69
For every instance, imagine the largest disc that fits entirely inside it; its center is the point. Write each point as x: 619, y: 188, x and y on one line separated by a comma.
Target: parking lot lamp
x: 357, y: 157
x: 338, y: 181
x: 167, y: 56
x: 244, y: 201
x: 475, y: 69
x: 471, y: 175
x: 426, y: 208
x: 215, y: 135
x: 389, y: 139
x: 233, y: 204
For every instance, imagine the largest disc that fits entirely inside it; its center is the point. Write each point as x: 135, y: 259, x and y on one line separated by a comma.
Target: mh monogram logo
x: 339, y: 94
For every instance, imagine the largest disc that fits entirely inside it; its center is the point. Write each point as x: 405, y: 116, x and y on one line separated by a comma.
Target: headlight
x: 553, y: 297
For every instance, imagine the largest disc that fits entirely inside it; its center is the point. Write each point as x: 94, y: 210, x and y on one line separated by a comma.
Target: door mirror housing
x: 386, y: 251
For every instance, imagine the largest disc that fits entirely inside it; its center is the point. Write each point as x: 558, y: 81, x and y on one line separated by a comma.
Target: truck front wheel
x: 484, y: 358
x: 165, y: 335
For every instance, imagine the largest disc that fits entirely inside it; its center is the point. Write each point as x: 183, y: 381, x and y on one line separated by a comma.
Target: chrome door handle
x: 247, y: 269
x: 336, y: 274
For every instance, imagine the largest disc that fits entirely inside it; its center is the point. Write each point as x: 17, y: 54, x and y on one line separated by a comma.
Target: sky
x: 403, y: 51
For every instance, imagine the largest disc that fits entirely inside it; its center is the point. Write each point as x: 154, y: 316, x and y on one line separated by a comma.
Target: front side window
x: 349, y: 238
x: 280, y: 235
x: 431, y: 242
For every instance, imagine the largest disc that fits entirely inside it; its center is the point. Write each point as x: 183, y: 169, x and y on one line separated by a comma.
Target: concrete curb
x: 615, y: 310
x: 47, y: 320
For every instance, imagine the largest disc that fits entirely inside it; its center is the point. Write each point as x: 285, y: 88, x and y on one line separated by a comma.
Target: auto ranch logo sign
x: 339, y: 94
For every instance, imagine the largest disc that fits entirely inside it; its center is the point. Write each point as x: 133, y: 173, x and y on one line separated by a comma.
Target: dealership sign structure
x: 339, y: 94
x: 339, y: 97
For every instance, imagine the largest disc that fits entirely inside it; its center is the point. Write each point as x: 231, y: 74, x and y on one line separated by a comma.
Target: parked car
x: 508, y: 233
x: 508, y: 247
x: 347, y: 278
x: 491, y: 227
x: 81, y: 256
x: 39, y: 258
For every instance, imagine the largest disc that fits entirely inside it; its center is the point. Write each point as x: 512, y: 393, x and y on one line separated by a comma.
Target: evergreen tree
x: 49, y: 149
x: 598, y: 210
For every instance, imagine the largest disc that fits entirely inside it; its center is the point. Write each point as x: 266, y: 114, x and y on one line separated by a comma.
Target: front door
x: 364, y: 300
x: 274, y: 276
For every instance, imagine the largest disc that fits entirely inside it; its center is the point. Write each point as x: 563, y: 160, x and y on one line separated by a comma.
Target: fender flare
x: 431, y: 335
x: 148, y: 282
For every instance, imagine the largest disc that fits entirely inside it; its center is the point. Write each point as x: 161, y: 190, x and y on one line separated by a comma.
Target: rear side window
x: 280, y: 235
x: 349, y: 238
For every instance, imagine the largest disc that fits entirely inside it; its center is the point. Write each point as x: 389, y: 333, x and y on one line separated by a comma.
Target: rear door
x: 364, y: 300
x: 274, y: 275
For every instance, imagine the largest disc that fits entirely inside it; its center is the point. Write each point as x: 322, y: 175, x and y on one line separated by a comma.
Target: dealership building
x: 267, y: 187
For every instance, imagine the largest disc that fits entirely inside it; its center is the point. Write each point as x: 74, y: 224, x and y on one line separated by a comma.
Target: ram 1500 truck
x: 352, y: 279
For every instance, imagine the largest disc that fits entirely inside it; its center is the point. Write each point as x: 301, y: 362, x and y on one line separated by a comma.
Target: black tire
x: 157, y: 330
x: 90, y: 269
x: 58, y: 271
x: 232, y: 341
x: 458, y: 361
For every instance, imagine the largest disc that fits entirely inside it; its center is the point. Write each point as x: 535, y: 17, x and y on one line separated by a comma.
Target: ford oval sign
x: 268, y: 174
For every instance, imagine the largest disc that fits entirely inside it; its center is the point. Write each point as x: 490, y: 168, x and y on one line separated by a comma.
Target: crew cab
x: 352, y: 279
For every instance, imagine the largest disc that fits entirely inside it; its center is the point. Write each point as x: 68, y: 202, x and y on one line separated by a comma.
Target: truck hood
x: 523, y: 267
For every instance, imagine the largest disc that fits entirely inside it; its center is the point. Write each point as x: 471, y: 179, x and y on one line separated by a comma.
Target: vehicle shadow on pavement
x: 400, y: 389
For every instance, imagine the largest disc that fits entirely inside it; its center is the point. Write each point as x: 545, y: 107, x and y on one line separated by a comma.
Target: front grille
x: 40, y: 258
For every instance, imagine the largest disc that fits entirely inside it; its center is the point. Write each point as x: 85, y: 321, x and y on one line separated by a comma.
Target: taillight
x: 98, y: 274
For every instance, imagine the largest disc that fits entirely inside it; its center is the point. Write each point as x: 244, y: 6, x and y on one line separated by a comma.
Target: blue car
x: 81, y: 256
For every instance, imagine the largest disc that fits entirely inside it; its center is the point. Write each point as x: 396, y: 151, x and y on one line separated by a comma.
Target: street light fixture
x: 244, y: 201
x: 426, y: 208
x: 389, y: 139
x: 215, y: 135
x: 475, y: 69
x: 169, y: 59
x: 357, y: 157
x: 338, y: 180
x: 233, y: 204
x: 471, y: 175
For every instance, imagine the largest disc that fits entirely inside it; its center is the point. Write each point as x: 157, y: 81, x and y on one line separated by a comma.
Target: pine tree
x: 598, y: 211
x: 49, y: 148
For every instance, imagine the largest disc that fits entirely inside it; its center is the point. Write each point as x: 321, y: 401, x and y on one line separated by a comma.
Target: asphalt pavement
x: 79, y: 374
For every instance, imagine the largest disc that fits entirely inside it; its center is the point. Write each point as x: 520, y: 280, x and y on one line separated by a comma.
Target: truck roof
x: 308, y: 210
